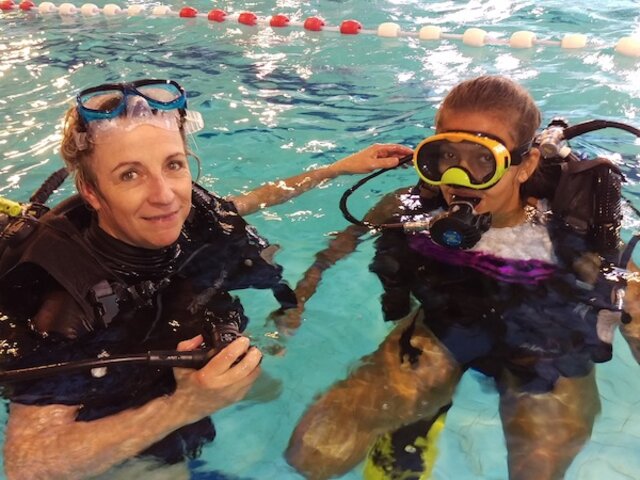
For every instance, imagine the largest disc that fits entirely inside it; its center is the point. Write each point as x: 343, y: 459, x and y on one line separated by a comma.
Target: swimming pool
x: 279, y: 101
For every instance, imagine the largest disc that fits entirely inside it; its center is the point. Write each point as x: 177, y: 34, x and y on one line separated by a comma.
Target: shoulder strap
x: 242, y: 258
x: 48, y: 249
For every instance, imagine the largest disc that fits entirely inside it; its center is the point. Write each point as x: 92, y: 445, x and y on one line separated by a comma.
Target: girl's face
x: 503, y: 199
x: 143, y: 193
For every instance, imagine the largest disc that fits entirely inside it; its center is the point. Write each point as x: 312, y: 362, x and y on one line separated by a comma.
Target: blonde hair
x: 76, y: 159
x: 499, y: 97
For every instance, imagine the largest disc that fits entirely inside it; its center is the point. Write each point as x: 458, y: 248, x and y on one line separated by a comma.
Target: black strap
x: 105, y: 301
x: 285, y: 296
x: 625, y: 257
x: 405, y: 342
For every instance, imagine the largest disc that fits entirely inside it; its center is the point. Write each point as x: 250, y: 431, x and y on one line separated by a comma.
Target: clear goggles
x: 466, y: 159
x: 161, y: 103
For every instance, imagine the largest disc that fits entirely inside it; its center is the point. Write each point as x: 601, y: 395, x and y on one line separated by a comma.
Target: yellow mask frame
x: 458, y: 175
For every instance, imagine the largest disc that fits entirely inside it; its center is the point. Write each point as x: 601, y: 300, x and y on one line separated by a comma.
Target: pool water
x: 278, y: 102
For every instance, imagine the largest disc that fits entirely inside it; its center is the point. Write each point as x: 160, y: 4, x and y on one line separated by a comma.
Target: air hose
x: 155, y: 358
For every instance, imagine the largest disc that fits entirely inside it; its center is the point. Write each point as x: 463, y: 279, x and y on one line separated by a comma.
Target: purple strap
x: 528, y: 272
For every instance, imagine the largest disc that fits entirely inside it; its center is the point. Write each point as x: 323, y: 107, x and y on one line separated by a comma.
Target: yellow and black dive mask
x: 466, y: 159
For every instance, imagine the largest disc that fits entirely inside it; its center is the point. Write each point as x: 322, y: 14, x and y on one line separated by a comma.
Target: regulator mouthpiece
x: 460, y: 227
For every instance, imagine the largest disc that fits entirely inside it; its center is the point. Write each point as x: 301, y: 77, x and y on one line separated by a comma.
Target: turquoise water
x: 278, y: 102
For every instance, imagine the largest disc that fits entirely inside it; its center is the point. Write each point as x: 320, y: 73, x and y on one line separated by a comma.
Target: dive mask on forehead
x: 465, y: 159
x: 160, y: 103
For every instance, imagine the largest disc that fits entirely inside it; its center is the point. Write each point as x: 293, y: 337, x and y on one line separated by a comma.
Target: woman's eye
x: 176, y: 165
x: 128, y: 176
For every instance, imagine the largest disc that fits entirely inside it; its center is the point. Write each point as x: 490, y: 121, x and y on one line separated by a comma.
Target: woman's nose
x: 161, y: 190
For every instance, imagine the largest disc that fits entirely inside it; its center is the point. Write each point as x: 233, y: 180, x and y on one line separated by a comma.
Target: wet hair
x: 499, y: 97
x: 502, y: 98
x: 79, y: 160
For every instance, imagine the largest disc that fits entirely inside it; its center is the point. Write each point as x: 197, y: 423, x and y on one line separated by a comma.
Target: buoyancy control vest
x: 218, y: 251
x: 396, y: 262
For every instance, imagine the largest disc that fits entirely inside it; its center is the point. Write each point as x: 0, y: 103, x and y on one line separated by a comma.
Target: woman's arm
x: 273, y: 193
x: 47, y: 441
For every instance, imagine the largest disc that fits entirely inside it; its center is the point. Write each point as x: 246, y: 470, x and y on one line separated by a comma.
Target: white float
x: 161, y: 10
x: 522, y: 39
x: 629, y: 46
x: 574, y: 40
x: 89, y: 10
x: 135, y: 10
x: 474, y: 37
x: 430, y: 32
x: 388, y: 29
x: 67, y: 9
x: 111, y: 9
x: 47, y: 7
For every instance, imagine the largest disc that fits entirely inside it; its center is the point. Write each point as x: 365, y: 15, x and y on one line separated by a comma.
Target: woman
x: 502, y: 288
x: 148, y: 265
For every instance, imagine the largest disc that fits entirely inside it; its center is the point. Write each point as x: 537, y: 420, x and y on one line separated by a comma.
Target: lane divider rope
x: 475, y: 37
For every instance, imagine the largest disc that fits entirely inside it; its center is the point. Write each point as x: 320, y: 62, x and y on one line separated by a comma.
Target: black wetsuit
x: 105, y: 297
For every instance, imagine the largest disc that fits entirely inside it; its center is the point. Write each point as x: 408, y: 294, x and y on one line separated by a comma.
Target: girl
x: 502, y: 288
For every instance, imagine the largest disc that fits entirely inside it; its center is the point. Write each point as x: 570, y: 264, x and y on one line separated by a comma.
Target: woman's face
x: 143, y: 193
x: 503, y: 199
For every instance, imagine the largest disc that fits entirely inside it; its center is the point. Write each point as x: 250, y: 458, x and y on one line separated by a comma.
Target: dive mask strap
x: 518, y: 153
x: 139, y: 112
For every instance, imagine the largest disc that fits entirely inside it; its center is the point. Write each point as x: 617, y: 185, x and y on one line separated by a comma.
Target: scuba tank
x: 585, y: 193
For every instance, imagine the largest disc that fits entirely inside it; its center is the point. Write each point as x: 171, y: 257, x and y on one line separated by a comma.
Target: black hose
x: 345, y: 196
x: 592, y: 125
x: 158, y: 358
x: 50, y: 184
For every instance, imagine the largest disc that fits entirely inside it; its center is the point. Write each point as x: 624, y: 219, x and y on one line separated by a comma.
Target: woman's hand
x: 221, y: 382
x: 273, y: 193
x: 372, y: 158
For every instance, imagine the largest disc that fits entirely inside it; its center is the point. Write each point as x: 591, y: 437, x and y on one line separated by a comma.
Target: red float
x: 350, y: 27
x: 279, y: 21
x: 314, y: 24
x: 6, y: 5
x: 188, y: 12
x: 248, y: 18
x: 27, y: 5
x: 217, y: 15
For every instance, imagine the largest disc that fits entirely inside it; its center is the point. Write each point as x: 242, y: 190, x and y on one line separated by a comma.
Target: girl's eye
x: 448, y: 157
